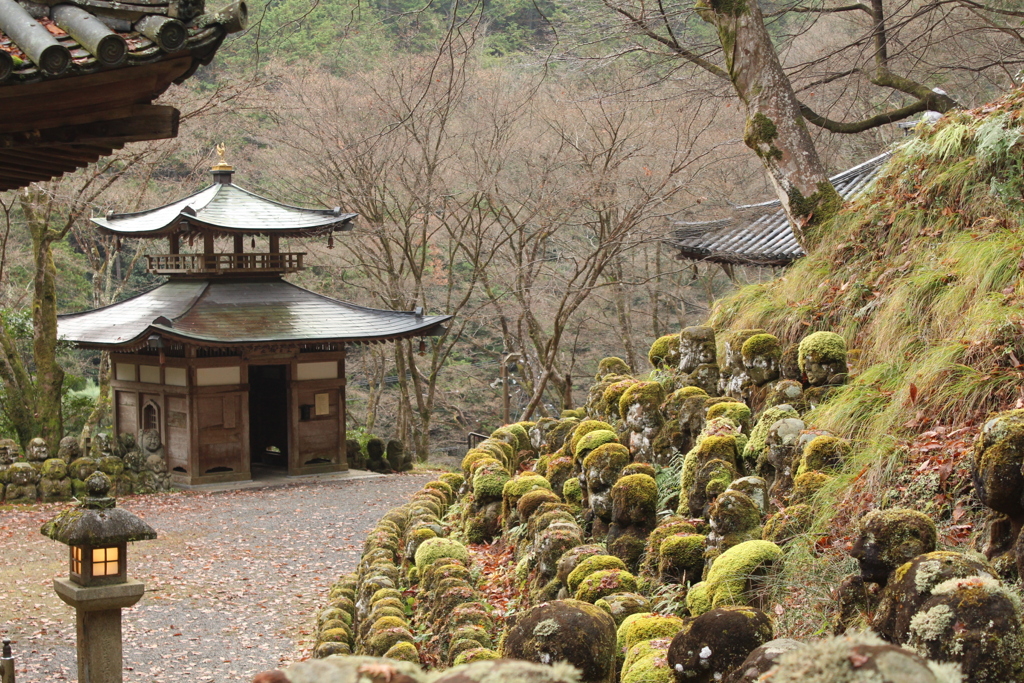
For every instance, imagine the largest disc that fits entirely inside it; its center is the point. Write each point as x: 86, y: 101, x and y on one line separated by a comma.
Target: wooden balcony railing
x: 206, y: 264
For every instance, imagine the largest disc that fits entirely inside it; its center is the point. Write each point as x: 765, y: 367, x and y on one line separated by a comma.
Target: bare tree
x: 888, y: 51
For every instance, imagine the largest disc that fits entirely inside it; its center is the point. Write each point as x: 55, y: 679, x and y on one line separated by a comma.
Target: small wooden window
x: 151, y: 417
x: 76, y: 560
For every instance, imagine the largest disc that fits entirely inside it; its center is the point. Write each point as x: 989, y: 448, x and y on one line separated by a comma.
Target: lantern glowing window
x: 95, y: 566
x: 104, y: 562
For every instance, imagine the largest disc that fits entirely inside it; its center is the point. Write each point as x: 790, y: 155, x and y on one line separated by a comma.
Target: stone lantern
x: 97, y: 534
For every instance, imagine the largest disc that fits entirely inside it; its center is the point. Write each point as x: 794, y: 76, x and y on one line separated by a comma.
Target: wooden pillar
x: 174, y: 243
x: 342, y: 435
x: 275, y: 244
x: 239, y: 244
x: 208, y: 247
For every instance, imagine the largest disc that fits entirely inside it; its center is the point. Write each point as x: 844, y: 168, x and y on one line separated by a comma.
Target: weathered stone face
x: 54, y: 489
x: 23, y: 474
x: 37, y: 450
x: 566, y: 630
x: 696, y: 347
x: 716, y: 643
x: 69, y: 450
x: 761, y: 660
x: 10, y: 451
x: 888, y: 539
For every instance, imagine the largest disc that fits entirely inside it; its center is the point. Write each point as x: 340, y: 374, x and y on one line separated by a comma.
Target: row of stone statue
x: 133, y: 467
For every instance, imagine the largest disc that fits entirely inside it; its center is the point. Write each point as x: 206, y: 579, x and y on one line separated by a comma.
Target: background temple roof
x: 240, y: 312
x: 760, y: 234
x: 64, y: 105
x: 229, y: 208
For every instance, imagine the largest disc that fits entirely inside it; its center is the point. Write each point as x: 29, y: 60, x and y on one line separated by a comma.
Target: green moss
x: 382, y: 641
x: 664, y: 351
x: 434, y: 549
x: 759, y: 434
x: 819, y: 207
x: 529, y: 503
x: 335, y: 635
x: 478, y: 654
x: 727, y: 580
x: 612, y: 366
x: 734, y: 410
x: 384, y: 623
x: 610, y: 456
x: 584, y: 428
x: 649, y: 395
x: 636, y: 490
x: 438, y: 485
x: 788, y: 523
x: 403, y: 652
x: 806, y: 485
x: 572, y: 492
x: 609, y: 404
x: 682, y: 551
x: 760, y: 131
x: 522, y: 434
x: 639, y: 468
x: 647, y: 627
x: 385, y: 593
x: 761, y: 345
x: 474, y: 456
x: 821, y: 347
x: 523, y: 484
x: 666, y: 527
x: 825, y: 453
x: 603, y: 583
x: 590, y: 565
x: 592, y: 440
x: 647, y: 662
x: 489, y: 486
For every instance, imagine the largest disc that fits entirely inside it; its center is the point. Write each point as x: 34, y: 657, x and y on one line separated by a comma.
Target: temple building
x: 228, y: 363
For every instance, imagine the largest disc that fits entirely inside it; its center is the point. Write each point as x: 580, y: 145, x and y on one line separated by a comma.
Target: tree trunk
x: 102, y: 407
x: 775, y: 128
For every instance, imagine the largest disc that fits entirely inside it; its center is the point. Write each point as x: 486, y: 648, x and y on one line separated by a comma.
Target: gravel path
x: 232, y: 582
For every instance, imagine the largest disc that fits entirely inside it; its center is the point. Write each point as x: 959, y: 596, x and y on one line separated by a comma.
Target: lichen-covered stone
x: 346, y: 669
x: 806, y: 485
x: 572, y: 559
x: 912, y: 584
x: 696, y: 347
x: 711, y: 480
x: 997, y: 467
x: 736, y: 411
x: 824, y: 453
x: 890, y: 538
x: 566, y: 630
x: 733, y: 518
x: 858, y: 658
x: 761, y: 660
x: 622, y: 605
x: 717, y: 642
x: 974, y: 622
x: 733, y: 576
x: 635, y: 501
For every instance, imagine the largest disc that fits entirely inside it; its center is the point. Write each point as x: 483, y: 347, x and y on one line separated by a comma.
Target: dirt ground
x: 232, y: 582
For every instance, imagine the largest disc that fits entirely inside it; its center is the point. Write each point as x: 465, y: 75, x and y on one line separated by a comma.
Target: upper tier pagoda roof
x: 225, y: 207
x: 239, y: 312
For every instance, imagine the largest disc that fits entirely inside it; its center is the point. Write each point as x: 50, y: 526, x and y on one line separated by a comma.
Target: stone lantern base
x: 99, y: 626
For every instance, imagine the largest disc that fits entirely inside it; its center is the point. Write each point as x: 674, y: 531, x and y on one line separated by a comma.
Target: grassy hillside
x: 922, y: 276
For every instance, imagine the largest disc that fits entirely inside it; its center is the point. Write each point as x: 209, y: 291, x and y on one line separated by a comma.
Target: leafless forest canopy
x: 516, y: 166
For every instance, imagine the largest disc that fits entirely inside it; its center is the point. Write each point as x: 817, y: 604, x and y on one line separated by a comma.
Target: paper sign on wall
x: 323, y: 404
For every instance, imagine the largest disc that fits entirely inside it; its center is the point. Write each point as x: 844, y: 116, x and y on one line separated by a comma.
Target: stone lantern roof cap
x: 96, y: 521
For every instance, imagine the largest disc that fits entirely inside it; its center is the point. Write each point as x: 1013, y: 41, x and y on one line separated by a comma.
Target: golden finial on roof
x: 221, y: 164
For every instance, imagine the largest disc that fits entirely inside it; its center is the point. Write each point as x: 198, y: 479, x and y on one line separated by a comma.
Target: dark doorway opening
x: 268, y: 415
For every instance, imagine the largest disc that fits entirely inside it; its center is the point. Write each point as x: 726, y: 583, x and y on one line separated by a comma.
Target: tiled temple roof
x: 760, y: 234
x: 77, y: 78
x: 224, y: 207
x: 240, y: 312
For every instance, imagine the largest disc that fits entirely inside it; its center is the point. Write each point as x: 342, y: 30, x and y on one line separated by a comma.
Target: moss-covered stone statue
x: 858, y: 658
x: 886, y: 540
x: 997, y: 469
x: 565, y: 631
x: 601, y: 470
x: 717, y: 642
x: 639, y: 408
x: 735, y: 577
x: 634, y: 516
x: 822, y: 359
